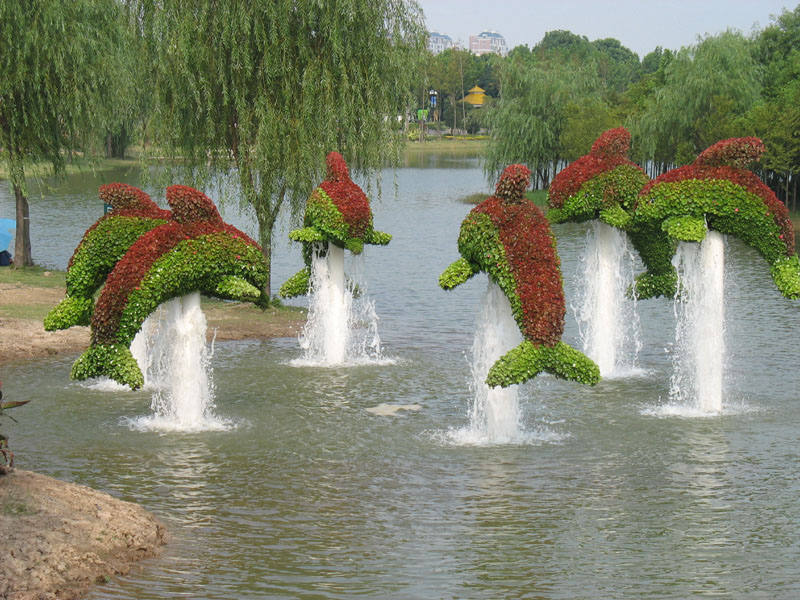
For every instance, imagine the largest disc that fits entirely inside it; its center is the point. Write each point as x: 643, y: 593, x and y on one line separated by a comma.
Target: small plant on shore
x: 5, y: 452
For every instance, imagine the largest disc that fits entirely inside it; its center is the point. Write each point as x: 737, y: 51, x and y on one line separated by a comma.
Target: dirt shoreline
x: 59, y: 538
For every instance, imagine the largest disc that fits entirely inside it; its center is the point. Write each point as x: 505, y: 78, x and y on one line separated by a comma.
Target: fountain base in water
x: 494, y: 414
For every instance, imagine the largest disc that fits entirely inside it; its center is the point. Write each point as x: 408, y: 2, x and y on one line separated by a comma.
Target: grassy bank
x: 45, y: 169
x: 433, y: 145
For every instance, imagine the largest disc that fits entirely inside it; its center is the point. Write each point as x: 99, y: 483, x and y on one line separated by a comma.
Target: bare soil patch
x: 60, y: 538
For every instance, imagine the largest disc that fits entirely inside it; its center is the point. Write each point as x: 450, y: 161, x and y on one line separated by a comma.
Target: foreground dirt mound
x: 59, y: 538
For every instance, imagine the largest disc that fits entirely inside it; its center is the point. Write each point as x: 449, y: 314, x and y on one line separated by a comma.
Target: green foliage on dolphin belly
x: 198, y: 264
x: 101, y: 249
x: 727, y: 207
x: 479, y: 243
x: 685, y: 229
x: 323, y: 216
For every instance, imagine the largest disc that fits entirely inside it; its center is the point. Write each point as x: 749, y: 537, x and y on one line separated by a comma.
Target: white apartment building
x: 488, y: 41
x: 439, y: 42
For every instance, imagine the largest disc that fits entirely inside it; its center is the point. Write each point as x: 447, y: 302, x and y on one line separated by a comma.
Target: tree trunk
x: 265, y: 239
x: 22, y: 242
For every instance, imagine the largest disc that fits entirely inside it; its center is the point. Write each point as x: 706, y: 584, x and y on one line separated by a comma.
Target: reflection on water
x: 314, y: 495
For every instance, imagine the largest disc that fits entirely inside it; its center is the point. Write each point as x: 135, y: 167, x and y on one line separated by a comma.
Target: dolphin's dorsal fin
x: 189, y: 206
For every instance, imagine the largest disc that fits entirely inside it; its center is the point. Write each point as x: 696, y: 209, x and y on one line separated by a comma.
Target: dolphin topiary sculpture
x: 605, y: 185
x: 718, y: 192
x: 194, y: 251
x: 337, y: 212
x: 508, y: 237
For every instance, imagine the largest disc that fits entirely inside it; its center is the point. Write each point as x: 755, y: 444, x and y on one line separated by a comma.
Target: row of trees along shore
x: 249, y: 97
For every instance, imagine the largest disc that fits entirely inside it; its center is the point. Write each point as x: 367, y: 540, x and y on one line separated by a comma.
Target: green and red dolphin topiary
x: 715, y: 192
x: 193, y: 251
x: 509, y: 238
x: 337, y: 212
x: 718, y: 192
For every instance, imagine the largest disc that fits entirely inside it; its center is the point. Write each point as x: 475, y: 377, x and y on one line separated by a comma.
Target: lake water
x: 309, y: 494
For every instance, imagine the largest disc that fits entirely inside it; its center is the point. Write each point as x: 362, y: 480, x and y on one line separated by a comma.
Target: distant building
x: 487, y: 41
x: 439, y: 42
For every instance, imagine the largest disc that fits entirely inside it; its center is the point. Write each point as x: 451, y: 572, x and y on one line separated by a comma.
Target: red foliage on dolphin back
x: 189, y: 205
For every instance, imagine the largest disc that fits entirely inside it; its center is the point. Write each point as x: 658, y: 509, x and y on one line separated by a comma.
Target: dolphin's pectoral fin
x: 685, y: 228
x: 296, y: 285
x: 113, y: 360
x: 528, y: 360
x: 377, y: 238
x: 616, y: 216
x: 232, y: 287
x: 650, y: 285
x: 306, y: 234
x: 786, y: 275
x: 457, y: 273
x: 72, y: 310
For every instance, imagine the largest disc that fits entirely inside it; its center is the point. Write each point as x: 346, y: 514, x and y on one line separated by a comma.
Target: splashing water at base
x: 494, y: 414
x: 178, y: 366
x: 607, y: 318
x: 340, y: 330
x: 699, y: 359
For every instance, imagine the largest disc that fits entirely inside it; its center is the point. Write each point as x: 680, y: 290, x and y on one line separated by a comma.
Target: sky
x: 640, y: 25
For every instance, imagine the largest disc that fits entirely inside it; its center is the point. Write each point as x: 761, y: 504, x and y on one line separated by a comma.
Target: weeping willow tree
x: 706, y: 87
x: 528, y: 121
x: 271, y: 86
x: 57, y: 66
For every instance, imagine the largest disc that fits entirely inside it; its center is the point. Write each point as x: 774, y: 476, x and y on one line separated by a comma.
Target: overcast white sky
x: 641, y: 25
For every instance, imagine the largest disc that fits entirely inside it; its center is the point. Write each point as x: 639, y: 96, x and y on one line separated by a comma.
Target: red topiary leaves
x: 348, y: 197
x: 513, y: 183
x: 735, y: 152
x: 188, y: 205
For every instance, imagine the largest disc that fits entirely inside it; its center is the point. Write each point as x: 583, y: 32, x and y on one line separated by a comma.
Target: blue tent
x: 7, y: 229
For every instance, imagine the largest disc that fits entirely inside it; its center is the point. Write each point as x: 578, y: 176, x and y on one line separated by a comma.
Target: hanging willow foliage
x: 271, y: 86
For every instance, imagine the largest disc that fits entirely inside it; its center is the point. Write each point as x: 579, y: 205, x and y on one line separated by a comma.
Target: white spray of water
x: 699, y: 359
x: 178, y: 367
x: 494, y: 413
x: 607, y: 318
x: 340, y: 330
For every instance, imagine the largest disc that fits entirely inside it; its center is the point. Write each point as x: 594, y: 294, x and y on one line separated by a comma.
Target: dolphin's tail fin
x: 72, y: 310
x: 113, y: 360
x: 528, y: 360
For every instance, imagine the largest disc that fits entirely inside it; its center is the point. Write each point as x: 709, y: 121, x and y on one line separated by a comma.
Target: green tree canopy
x: 57, y: 79
x: 530, y: 117
x: 705, y: 88
x: 274, y: 85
